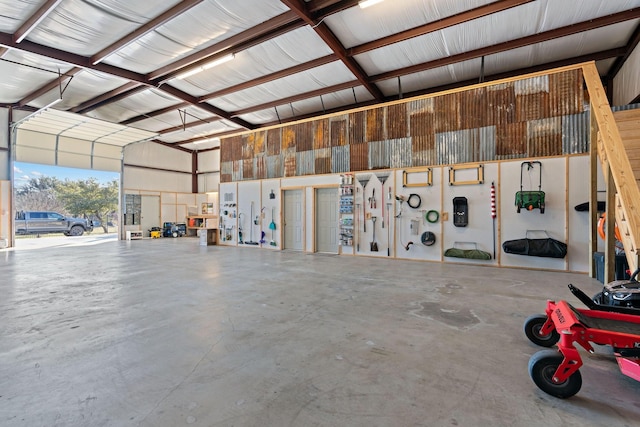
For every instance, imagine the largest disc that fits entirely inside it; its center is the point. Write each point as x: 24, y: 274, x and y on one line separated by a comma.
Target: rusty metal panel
x: 321, y: 134
x: 339, y: 133
x: 247, y: 169
x: 248, y: 143
x: 226, y: 171
x: 566, y: 93
x: 575, y: 133
x: 288, y: 138
x: 400, y: 154
x: 359, y: 157
x: 485, y: 143
x: 304, y: 136
x: 447, y: 113
x: 375, y: 124
x: 501, y: 104
x: 305, y: 163
x: 423, y: 158
x: 260, y: 167
x: 397, y: 121
x: 379, y: 155
x: 545, y: 137
x: 229, y: 149
x: 473, y: 108
x: 532, y: 106
x: 425, y: 105
x: 532, y: 85
x: 454, y: 147
x: 511, y: 141
x: 259, y: 143
x: 357, y: 127
x: 274, y: 141
x: 275, y: 167
x: 323, y: 160
x: 422, y: 133
x: 236, y: 174
x: 340, y: 159
x: 289, y: 162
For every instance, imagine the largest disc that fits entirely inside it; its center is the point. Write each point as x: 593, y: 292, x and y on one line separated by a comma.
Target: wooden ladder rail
x: 622, y: 189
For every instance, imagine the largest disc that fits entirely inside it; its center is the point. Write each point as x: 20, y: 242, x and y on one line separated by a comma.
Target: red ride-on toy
x: 556, y: 372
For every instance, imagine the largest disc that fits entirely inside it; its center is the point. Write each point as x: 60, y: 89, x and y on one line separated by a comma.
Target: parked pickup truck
x: 28, y: 222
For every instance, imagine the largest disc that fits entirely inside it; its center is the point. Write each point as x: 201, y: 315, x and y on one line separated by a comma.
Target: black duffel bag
x: 543, y: 247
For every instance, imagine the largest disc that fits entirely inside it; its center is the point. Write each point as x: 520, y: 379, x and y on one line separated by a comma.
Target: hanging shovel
x: 374, y: 244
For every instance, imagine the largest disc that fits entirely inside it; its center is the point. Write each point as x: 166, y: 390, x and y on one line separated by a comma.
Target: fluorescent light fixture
x: 206, y: 66
x: 201, y: 141
x: 366, y: 3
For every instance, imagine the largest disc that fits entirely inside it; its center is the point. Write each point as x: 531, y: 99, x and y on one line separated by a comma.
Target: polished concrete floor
x: 169, y: 333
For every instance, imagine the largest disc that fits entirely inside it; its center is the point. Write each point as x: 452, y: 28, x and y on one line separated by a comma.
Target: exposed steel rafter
x: 155, y: 113
x: 48, y: 87
x: 126, y: 89
x: 32, y: 22
x: 617, y: 66
x: 334, y: 44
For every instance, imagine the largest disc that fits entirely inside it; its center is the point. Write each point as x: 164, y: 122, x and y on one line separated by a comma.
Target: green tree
x: 39, y: 194
x: 89, y: 198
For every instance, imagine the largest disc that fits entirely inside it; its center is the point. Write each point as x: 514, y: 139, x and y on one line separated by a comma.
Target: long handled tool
x: 374, y: 244
x: 251, y: 242
x: 388, y: 230
x: 383, y: 177
x: 363, y: 180
x: 272, y: 226
x: 493, y: 216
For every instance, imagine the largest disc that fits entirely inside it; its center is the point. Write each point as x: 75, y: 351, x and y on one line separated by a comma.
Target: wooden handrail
x: 614, y: 158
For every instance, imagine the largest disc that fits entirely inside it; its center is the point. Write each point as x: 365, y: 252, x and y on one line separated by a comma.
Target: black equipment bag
x: 545, y: 247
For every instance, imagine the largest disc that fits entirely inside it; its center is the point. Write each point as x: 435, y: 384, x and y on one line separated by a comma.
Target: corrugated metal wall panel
x: 322, y: 161
x: 236, y: 174
x: 275, y: 167
x: 376, y: 125
x: 305, y: 163
x: 447, y: 113
x: 423, y: 158
x: 289, y: 162
x: 260, y: 166
x: 339, y: 132
x: 247, y: 169
x: 575, y: 133
x: 485, y: 144
x: 226, y: 171
x: 511, y: 140
x: 397, y: 121
x: 532, y: 85
x: 566, y: 93
x: 544, y: 137
x: 501, y: 104
x: 357, y: 127
x: 359, y: 157
x: 379, y: 155
x: 400, y: 153
x: 259, y: 143
x: 532, y: 106
x: 454, y: 147
x: 473, y: 108
x: 340, y: 159
x: 625, y: 107
x: 422, y: 137
x: 288, y: 138
x: 273, y: 141
x: 304, y: 136
x: 421, y: 106
x: 248, y: 146
x: 321, y: 134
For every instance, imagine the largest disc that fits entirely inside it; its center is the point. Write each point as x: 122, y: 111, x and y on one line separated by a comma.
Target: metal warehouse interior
x: 345, y: 171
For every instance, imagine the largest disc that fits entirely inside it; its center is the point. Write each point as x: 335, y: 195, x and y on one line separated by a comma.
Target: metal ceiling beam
x: 210, y: 136
x: 270, y: 77
x: 32, y: 22
x: 206, y: 106
x: 513, y: 44
x: 440, y: 24
x: 597, y: 56
x: 168, y: 144
x: 107, y: 97
x: 295, y: 98
x: 267, y: 30
x: 155, y: 113
x: 631, y: 45
x: 161, y: 19
x: 199, y: 122
x: 3, y: 50
x: 335, y: 45
x: 48, y: 87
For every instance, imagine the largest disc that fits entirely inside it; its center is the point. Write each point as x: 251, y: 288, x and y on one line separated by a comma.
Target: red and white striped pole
x: 493, y: 216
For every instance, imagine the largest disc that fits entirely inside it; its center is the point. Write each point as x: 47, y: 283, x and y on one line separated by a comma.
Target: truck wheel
x: 76, y: 230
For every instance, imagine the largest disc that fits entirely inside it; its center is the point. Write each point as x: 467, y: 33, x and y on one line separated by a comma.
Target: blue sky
x: 23, y: 172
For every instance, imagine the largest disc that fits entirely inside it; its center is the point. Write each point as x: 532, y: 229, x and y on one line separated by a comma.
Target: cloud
x: 17, y: 169
x: 23, y: 178
x: 36, y: 173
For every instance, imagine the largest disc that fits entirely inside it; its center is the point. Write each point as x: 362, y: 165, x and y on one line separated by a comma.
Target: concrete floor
x: 169, y: 333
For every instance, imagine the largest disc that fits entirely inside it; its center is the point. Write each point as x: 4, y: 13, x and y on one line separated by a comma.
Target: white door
x: 293, y: 220
x: 150, y: 214
x: 326, y: 233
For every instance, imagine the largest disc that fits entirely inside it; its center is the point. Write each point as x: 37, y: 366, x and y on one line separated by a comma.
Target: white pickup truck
x: 29, y: 222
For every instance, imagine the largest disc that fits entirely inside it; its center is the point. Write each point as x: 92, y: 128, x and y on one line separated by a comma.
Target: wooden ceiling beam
x: 450, y: 21
x: 161, y: 19
x: 512, y: 44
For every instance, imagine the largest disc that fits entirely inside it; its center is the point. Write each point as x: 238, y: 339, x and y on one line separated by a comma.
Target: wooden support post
x: 593, y: 192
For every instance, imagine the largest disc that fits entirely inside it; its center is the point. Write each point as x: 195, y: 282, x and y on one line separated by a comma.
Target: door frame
x: 314, y: 192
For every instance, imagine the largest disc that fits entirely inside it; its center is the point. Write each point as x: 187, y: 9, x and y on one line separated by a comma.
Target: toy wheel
x: 543, y: 365
x: 532, y: 327
x: 542, y: 208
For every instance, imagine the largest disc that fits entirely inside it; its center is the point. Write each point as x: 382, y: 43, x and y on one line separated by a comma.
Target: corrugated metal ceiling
x: 117, y: 60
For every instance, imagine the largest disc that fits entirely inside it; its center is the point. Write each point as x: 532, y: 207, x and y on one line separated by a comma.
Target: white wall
x: 626, y: 85
x: 4, y: 143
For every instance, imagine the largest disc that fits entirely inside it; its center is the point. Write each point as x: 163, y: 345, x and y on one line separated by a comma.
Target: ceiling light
x: 206, y: 66
x: 366, y: 3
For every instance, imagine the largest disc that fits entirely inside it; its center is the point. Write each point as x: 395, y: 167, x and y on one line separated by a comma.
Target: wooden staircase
x: 617, y: 137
